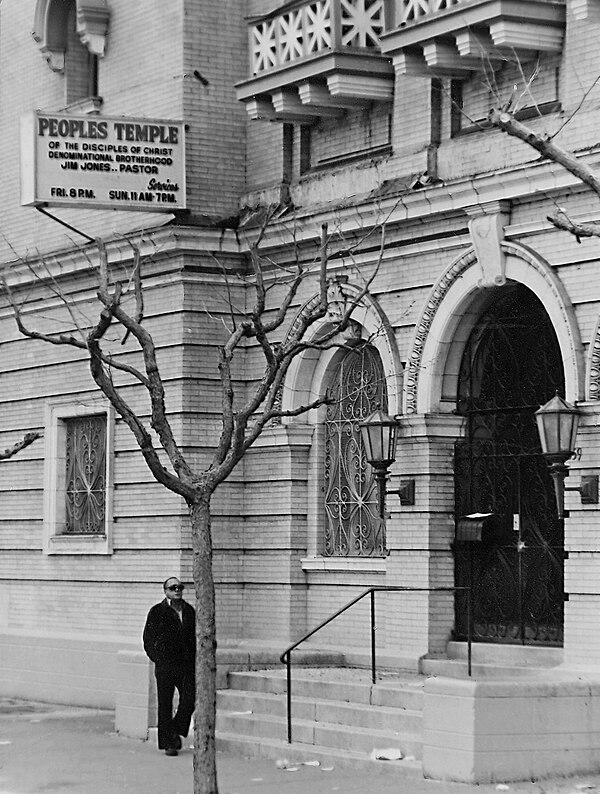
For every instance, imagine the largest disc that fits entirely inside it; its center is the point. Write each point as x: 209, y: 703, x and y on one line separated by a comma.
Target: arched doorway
x: 510, y: 366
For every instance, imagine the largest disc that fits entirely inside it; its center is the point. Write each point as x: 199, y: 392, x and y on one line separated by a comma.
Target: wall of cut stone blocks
x: 268, y: 518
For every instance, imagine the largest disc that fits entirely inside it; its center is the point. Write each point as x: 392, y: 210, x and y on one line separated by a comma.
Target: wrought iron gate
x: 510, y: 367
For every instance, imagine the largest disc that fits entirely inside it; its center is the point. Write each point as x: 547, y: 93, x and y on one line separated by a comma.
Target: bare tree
x: 279, y: 340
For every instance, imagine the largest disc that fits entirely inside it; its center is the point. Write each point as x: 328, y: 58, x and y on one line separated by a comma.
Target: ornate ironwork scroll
x: 511, y: 366
x: 85, y: 496
x: 353, y: 527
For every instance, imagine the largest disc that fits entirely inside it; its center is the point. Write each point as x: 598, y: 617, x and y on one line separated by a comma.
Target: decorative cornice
x: 539, y: 179
x: 169, y: 240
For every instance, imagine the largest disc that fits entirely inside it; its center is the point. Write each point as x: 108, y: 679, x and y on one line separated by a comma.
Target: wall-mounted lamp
x: 557, y: 422
x: 379, y: 436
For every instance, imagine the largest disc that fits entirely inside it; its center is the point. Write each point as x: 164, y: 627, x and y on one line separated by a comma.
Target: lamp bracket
x: 406, y: 492
x: 588, y: 489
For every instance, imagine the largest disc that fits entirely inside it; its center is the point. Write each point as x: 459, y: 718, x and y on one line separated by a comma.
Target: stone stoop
x: 493, y: 661
x: 338, y: 718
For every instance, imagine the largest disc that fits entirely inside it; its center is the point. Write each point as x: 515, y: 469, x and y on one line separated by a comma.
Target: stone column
x: 582, y: 547
x: 420, y: 535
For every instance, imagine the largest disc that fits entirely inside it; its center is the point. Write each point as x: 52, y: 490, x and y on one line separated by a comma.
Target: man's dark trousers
x: 168, y: 679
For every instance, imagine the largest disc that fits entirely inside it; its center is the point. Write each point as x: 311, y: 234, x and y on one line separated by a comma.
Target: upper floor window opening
x: 71, y: 35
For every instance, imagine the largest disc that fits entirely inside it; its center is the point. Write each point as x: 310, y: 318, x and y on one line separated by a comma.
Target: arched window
x: 72, y: 37
x: 353, y: 527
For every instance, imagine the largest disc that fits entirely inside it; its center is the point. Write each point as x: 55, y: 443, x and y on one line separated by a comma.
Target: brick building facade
x: 348, y: 113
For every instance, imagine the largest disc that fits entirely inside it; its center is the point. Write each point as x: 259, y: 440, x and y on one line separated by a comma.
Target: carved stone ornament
x: 594, y: 366
x: 436, y: 297
x: 487, y: 233
x: 50, y: 28
x: 92, y: 25
x: 336, y: 298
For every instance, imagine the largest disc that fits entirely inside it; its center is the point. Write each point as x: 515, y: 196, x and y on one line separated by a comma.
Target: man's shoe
x: 171, y: 751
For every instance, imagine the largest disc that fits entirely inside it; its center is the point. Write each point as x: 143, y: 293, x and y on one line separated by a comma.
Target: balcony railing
x: 317, y: 58
x: 416, y: 10
x: 314, y: 58
x: 315, y: 27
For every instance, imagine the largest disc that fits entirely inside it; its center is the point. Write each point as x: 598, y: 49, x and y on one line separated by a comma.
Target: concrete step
x: 325, y: 734
x: 343, y: 685
x: 295, y: 753
x: 339, y: 717
x: 507, y: 654
x: 336, y: 712
x: 491, y: 660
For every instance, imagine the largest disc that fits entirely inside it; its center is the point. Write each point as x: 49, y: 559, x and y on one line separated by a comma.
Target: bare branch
x: 137, y: 288
x: 582, y: 101
x: 302, y: 409
x: 230, y: 303
x: 67, y: 339
x: 154, y: 382
x: 562, y: 221
x: 143, y: 438
x: 546, y: 147
x: 103, y: 266
x: 27, y: 439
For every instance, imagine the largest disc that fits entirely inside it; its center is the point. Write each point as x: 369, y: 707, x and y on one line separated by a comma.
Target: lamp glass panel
x: 569, y: 431
x: 541, y: 423
x: 379, y: 438
x: 557, y: 425
x: 553, y: 427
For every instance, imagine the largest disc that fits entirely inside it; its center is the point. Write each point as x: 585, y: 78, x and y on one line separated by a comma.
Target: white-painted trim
x: 344, y: 564
x: 54, y: 485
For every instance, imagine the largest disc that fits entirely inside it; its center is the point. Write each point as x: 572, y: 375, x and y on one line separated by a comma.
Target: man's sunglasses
x: 176, y: 587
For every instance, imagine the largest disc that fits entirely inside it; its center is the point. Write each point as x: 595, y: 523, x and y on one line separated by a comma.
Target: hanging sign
x: 96, y: 162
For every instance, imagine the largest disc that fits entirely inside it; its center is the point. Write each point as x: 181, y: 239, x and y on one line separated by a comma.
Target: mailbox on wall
x: 478, y: 528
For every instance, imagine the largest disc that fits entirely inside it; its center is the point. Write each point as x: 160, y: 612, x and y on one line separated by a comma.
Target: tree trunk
x: 205, y: 766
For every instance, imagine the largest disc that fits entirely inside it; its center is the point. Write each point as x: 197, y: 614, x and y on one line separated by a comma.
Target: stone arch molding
x: 593, y: 384
x: 307, y: 373
x: 50, y: 28
x: 451, y: 311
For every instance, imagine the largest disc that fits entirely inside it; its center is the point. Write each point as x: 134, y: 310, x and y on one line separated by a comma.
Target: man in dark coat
x: 170, y: 642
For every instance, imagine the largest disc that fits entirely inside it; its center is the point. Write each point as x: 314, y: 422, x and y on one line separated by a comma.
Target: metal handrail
x: 286, y: 656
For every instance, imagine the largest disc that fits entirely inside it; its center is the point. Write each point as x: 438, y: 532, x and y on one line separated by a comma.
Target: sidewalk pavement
x: 65, y: 750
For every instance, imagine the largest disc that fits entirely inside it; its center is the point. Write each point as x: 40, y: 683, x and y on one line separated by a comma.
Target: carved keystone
x: 486, y: 225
